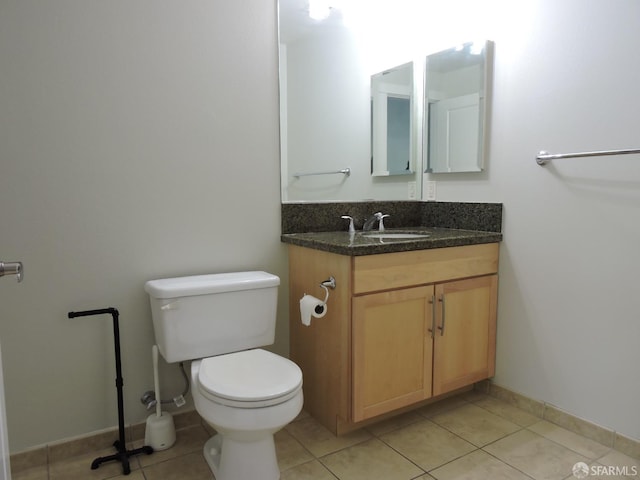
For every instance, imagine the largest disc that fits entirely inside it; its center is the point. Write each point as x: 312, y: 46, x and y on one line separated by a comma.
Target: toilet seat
x: 249, y: 379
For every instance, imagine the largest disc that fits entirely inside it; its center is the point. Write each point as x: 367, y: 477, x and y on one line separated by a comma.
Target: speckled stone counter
x: 447, y: 224
x: 359, y: 243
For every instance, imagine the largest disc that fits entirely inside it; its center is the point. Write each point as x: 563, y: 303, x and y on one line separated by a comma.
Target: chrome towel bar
x: 544, y: 157
x: 345, y: 171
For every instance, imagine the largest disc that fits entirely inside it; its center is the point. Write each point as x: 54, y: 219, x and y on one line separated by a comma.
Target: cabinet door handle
x: 441, y: 327
x: 432, y: 301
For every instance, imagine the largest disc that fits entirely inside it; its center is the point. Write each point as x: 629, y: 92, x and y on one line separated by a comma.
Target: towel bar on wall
x: 545, y: 157
x: 345, y: 171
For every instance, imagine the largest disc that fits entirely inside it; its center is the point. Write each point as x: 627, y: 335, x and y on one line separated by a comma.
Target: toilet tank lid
x: 212, y: 283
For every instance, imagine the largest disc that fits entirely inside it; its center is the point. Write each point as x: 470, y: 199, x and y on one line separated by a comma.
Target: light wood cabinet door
x: 392, y: 350
x: 465, y: 338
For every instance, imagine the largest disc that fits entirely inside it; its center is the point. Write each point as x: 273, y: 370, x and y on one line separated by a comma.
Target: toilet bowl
x: 220, y: 321
x: 246, y: 397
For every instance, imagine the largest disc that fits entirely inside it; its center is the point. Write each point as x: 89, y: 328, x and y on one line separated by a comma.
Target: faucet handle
x: 352, y: 229
x: 381, y: 217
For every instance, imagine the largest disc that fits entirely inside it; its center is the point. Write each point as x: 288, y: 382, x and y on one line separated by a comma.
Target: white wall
x: 137, y: 140
x: 127, y: 134
x: 566, y: 79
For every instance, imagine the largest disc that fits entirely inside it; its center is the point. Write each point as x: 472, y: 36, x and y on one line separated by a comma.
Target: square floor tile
x: 535, y: 455
x: 477, y: 465
x: 476, y: 425
x: 573, y: 441
x: 289, y: 451
x: 597, y: 471
x: 427, y: 444
x: 188, y: 440
x: 192, y: 467
x: 313, y: 470
x: 370, y: 460
x: 320, y: 441
x: 137, y: 475
x: 615, y: 458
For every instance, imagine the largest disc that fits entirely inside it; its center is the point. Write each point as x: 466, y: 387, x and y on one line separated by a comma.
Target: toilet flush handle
x: 171, y: 305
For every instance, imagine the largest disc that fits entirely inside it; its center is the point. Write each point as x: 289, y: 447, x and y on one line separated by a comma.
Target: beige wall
x: 137, y: 140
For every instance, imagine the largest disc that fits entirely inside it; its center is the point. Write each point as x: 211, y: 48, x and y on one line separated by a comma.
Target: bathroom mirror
x: 456, y: 96
x: 326, y: 69
x: 392, y: 121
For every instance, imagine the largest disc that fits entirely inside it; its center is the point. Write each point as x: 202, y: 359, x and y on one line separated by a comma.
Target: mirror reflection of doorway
x: 454, y: 134
x: 392, y: 121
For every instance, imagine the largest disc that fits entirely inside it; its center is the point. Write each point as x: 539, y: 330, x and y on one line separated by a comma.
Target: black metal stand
x: 120, y: 445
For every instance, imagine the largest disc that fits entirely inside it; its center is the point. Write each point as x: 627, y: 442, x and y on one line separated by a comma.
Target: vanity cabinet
x: 392, y: 350
x: 414, y: 343
x: 400, y: 328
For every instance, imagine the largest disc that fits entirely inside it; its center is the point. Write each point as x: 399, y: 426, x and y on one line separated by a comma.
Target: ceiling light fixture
x: 319, y: 9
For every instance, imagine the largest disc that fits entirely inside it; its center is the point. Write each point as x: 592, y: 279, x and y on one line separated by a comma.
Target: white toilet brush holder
x: 160, y: 432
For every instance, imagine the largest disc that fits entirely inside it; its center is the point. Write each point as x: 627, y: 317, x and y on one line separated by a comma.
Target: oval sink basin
x: 397, y: 236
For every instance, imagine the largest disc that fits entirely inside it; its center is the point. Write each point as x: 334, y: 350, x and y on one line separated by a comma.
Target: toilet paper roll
x: 311, y: 306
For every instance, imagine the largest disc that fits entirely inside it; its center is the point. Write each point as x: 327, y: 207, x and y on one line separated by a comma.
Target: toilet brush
x: 160, y: 432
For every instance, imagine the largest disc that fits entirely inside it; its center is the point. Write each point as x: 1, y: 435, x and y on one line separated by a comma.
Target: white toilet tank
x: 206, y: 315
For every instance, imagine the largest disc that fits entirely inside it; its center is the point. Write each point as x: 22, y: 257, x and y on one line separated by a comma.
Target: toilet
x: 244, y: 392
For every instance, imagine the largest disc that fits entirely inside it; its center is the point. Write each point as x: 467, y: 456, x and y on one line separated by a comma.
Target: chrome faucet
x: 352, y: 229
x: 376, y: 217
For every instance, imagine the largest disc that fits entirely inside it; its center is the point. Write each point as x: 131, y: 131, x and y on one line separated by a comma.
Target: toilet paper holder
x: 330, y: 283
x: 311, y: 306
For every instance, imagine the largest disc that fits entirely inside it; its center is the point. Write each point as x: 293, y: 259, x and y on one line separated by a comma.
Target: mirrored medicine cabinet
x: 455, y: 110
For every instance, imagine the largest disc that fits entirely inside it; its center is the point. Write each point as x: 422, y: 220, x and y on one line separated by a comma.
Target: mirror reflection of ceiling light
x: 319, y: 9
x: 476, y: 48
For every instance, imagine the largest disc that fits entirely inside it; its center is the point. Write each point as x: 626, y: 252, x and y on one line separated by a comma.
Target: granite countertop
x: 356, y: 244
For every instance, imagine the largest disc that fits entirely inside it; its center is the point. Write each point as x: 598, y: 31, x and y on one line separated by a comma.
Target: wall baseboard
x: 67, y: 448
x: 91, y: 442
x: 605, y: 436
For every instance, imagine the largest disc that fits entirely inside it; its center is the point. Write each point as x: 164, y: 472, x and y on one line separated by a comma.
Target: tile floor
x: 471, y: 436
